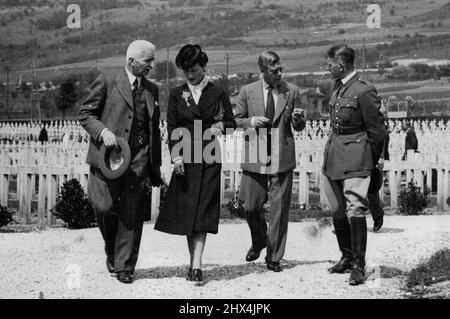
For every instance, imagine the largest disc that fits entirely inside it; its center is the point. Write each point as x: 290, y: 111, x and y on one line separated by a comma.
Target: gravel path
x: 46, y: 263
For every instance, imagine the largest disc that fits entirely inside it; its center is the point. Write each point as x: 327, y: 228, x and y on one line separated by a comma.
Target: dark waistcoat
x: 139, y: 134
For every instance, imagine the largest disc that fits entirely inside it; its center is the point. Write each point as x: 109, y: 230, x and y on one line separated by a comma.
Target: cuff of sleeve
x: 101, y: 134
x: 177, y: 159
x: 219, y: 125
x: 252, y: 122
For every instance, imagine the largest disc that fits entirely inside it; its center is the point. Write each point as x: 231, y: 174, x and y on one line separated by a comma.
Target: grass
x: 434, y: 270
x: 19, y: 225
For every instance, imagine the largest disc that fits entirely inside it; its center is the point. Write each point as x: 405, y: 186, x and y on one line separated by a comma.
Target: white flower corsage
x: 186, y: 95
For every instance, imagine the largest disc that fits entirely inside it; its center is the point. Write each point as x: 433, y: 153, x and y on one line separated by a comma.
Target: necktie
x: 269, y: 113
x: 337, y: 86
x: 136, y: 86
x: 270, y: 106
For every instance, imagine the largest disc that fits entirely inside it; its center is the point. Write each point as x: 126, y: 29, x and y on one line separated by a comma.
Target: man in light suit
x: 126, y: 106
x: 268, y: 108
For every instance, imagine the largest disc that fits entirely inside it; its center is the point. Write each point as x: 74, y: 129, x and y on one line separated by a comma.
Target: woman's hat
x: 190, y: 55
x: 115, y: 160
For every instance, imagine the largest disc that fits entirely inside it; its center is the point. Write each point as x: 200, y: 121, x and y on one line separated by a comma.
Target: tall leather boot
x: 343, y: 234
x: 359, y: 243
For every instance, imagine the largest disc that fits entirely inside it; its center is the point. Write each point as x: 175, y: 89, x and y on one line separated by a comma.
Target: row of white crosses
x: 72, y: 131
x: 68, y: 131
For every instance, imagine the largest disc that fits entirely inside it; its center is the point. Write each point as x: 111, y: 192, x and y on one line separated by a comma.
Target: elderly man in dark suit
x: 268, y: 109
x: 351, y: 154
x: 126, y: 106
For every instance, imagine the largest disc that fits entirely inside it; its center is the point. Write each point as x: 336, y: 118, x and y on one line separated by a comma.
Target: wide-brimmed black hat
x: 190, y: 55
x: 115, y: 160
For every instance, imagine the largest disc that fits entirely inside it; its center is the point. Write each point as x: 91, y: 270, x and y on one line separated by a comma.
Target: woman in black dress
x: 192, y: 203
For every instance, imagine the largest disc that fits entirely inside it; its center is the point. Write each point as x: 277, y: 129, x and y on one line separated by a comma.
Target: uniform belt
x: 347, y: 130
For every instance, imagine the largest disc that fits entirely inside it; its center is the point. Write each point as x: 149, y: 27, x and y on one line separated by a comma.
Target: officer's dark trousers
x: 375, y: 205
x: 252, y: 195
x: 118, y: 205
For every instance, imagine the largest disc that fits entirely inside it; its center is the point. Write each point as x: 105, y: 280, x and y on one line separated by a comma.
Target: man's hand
x: 109, y: 138
x: 297, y: 114
x: 260, y: 121
x: 179, y: 167
x: 217, y: 129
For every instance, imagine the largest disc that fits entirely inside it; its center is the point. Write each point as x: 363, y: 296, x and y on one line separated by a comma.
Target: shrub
x: 73, y: 206
x: 412, y: 200
x: 5, y: 216
x: 235, y: 208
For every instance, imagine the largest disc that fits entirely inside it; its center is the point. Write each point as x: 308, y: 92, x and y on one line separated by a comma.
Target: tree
x: 401, y: 73
x: 26, y: 90
x: 424, y: 71
x: 68, y: 95
x: 392, y: 11
x: 258, y: 3
x: 410, y: 101
x: 161, y: 70
x: 92, y: 75
x: 444, y: 70
x: 224, y: 83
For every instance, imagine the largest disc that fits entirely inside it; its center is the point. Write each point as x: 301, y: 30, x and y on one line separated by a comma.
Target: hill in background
x: 300, y: 31
x: 34, y: 33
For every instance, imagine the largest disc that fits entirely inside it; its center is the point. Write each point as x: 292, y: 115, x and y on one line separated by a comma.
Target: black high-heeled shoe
x: 197, y: 275
x: 189, y: 274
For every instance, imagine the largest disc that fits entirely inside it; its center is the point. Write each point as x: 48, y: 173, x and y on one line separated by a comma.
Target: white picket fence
x: 40, y: 170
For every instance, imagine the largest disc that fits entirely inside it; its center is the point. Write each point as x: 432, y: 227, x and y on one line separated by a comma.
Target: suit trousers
x: 375, y: 205
x: 118, y: 205
x: 349, y: 196
x: 254, y: 192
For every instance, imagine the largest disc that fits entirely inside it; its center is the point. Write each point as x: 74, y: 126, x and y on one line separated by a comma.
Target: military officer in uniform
x: 351, y: 154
